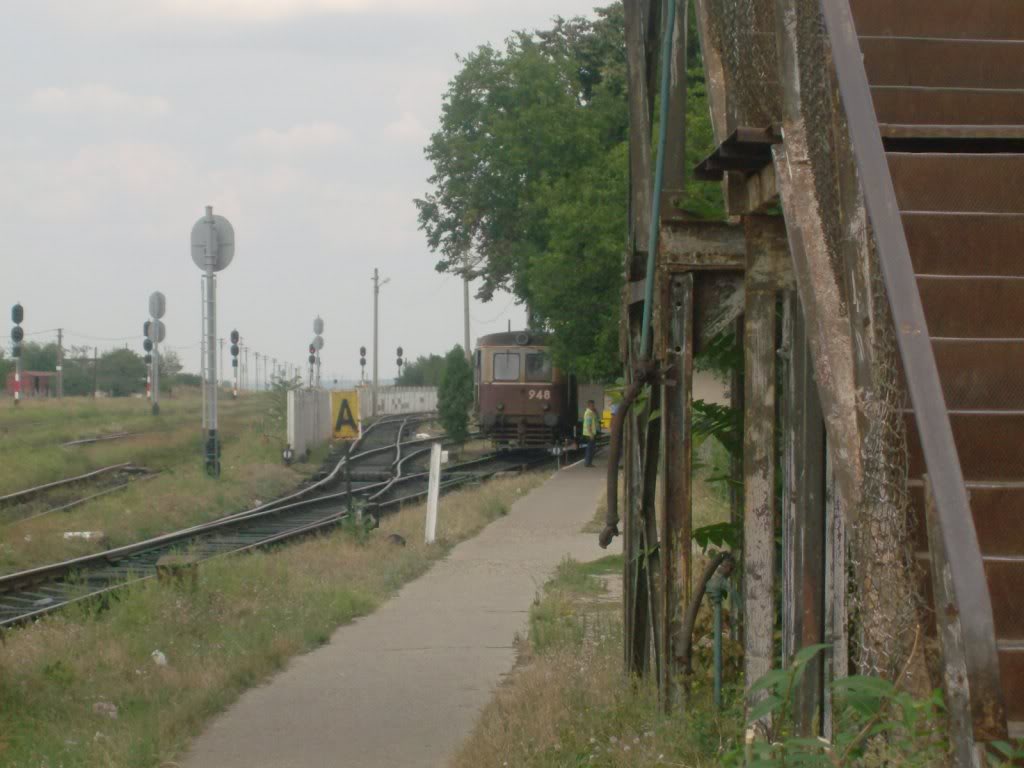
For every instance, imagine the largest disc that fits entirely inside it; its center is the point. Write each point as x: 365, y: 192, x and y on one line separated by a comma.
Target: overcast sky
x: 301, y: 121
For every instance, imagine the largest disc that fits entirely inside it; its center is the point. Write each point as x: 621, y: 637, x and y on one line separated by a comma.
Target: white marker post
x: 433, y: 491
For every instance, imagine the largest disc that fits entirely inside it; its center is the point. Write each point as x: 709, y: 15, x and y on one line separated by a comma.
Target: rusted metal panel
x: 759, y: 459
x: 1000, y: 19
x: 958, y: 182
x: 982, y: 374
x: 702, y: 245
x: 985, y: 308
x: 947, y: 106
x: 998, y: 513
x: 941, y: 62
x: 989, y: 445
x: 965, y: 244
x: 1011, y: 663
x: 803, y: 517
x: 676, y: 551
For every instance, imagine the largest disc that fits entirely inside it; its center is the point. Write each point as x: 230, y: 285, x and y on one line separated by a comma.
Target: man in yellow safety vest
x: 589, y: 433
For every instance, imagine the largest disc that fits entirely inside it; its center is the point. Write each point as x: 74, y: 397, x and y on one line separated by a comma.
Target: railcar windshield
x: 538, y: 367
x: 506, y: 366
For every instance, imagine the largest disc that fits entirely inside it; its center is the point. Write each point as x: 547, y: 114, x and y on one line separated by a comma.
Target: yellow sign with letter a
x: 345, y: 414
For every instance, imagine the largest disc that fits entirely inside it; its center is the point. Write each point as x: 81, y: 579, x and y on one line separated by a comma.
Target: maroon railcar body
x: 521, y: 399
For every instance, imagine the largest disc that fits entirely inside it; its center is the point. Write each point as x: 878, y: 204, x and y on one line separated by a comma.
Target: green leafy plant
x: 875, y: 724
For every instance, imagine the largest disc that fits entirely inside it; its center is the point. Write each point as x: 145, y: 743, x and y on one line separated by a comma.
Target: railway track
x: 385, y: 473
x: 61, y: 494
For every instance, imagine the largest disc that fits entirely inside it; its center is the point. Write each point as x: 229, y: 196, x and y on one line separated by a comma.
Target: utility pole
x: 221, y: 378
x: 60, y: 362
x: 245, y: 378
x: 377, y: 283
x: 465, y: 316
x: 95, y: 372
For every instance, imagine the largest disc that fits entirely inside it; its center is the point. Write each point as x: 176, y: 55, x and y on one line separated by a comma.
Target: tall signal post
x: 157, y: 332
x: 213, y: 248
x: 377, y: 283
x: 318, y: 344
x: 17, y: 335
x: 60, y: 362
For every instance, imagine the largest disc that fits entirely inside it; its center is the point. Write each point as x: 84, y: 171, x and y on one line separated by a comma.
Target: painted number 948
x: 539, y: 394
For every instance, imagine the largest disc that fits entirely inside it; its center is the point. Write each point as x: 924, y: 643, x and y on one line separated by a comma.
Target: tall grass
x: 62, y: 678
x: 568, y: 703
x: 171, y: 444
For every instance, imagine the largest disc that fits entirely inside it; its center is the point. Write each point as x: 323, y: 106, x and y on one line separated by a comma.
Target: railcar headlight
x: 501, y: 406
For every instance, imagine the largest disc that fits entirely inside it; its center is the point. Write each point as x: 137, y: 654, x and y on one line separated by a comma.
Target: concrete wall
x: 309, y: 419
x: 396, y: 400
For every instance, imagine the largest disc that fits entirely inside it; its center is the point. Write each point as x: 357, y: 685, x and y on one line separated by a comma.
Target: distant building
x: 34, y: 384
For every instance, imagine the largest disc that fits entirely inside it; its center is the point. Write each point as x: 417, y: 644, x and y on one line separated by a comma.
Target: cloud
x: 269, y: 10
x: 408, y: 127
x: 96, y: 98
x: 299, y: 138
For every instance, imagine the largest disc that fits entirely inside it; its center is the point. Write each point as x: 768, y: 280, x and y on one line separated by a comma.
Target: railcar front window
x: 538, y: 367
x: 506, y: 366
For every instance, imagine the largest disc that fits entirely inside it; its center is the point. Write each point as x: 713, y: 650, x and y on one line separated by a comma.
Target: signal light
x: 145, y: 329
x: 234, y: 350
x: 312, y: 359
x: 362, y: 351
x: 17, y: 314
x: 148, y: 358
x: 399, y: 362
x: 362, y: 361
x: 147, y: 345
x: 235, y: 337
x: 17, y: 334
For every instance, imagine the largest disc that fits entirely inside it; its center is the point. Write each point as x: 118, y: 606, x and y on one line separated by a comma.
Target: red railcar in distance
x: 522, y: 400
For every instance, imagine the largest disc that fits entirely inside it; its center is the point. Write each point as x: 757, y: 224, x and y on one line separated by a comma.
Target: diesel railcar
x: 522, y: 400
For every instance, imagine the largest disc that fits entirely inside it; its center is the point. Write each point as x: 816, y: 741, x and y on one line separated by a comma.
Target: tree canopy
x: 455, y: 394
x: 422, y: 372
x: 530, y: 181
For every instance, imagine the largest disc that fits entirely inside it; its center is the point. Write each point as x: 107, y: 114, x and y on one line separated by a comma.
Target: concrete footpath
x: 404, y: 686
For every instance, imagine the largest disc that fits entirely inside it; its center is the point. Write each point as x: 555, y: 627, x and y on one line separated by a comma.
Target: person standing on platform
x: 589, y: 433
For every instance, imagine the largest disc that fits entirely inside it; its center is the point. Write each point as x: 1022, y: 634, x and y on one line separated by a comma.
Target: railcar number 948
x: 539, y: 394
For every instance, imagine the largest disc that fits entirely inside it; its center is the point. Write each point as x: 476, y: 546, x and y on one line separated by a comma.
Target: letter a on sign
x: 345, y: 410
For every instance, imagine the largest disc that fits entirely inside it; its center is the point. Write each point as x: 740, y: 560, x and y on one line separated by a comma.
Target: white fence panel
x: 309, y: 419
x: 397, y: 400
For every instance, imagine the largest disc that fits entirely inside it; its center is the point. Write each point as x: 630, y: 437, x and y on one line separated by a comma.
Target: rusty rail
x: 968, y: 589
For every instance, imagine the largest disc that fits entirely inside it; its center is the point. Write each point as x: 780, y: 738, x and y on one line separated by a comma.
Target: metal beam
x: 697, y: 245
x: 759, y: 456
x: 676, y: 508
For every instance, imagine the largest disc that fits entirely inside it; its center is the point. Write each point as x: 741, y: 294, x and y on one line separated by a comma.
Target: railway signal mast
x: 318, y: 344
x: 17, y: 334
x: 362, y: 365
x: 400, y: 362
x: 235, y: 338
x: 213, y: 248
x: 377, y: 283
x: 156, y: 333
